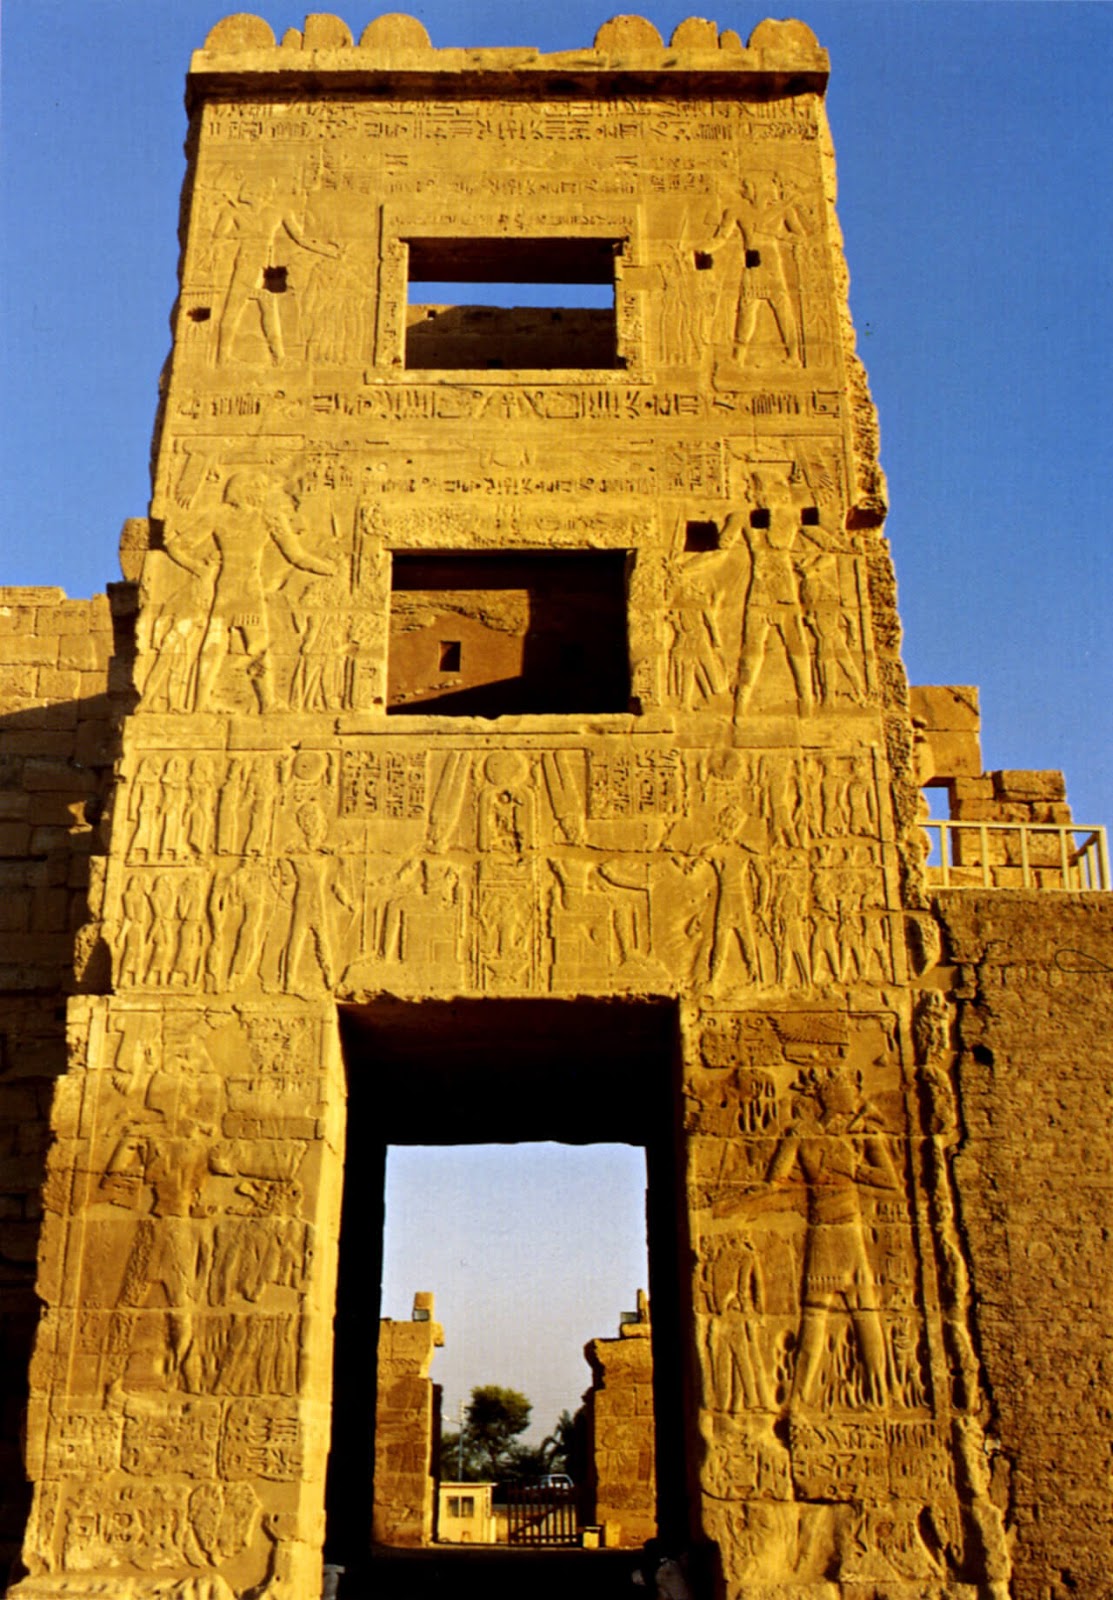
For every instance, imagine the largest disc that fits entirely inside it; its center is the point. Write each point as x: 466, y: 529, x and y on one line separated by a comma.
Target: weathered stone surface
x: 622, y: 1485
x: 407, y: 1425
x: 479, y: 659
x: 1034, y: 1066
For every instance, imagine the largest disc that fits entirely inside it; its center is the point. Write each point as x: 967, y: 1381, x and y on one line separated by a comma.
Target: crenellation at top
x: 778, y: 56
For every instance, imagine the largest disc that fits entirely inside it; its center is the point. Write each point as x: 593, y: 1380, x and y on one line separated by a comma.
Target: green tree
x: 493, y: 1420
x: 460, y: 1462
x: 565, y: 1449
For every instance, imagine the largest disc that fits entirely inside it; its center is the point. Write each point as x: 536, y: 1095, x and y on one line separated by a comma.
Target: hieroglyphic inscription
x: 388, y: 787
x: 639, y: 783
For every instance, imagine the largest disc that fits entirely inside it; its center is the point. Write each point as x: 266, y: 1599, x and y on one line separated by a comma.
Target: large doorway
x: 507, y: 1072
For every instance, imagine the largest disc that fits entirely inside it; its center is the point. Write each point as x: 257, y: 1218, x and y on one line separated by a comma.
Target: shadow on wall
x: 55, y: 768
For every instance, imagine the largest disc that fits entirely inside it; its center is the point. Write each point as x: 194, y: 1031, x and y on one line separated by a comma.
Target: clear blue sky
x: 531, y: 1251
x: 973, y: 142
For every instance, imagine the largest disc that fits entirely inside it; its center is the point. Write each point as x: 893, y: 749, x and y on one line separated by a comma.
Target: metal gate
x: 541, y: 1515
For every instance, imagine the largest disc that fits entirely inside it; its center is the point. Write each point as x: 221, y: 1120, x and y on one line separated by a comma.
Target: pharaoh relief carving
x: 815, y: 1352
x: 257, y: 600
x: 770, y: 618
x: 178, y: 1345
x: 753, y: 251
x: 651, y: 865
x: 276, y: 271
x: 222, y: 547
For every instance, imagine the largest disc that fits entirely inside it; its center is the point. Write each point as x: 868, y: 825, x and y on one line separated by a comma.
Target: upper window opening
x: 541, y: 304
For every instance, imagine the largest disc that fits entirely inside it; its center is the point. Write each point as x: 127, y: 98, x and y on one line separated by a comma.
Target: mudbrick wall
x: 1035, y: 1076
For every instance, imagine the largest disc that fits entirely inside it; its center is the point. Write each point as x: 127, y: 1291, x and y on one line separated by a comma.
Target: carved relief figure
x: 837, y: 648
x: 317, y: 887
x: 735, y: 1293
x: 144, y: 801
x: 836, y: 1147
x: 706, y: 587
x: 507, y: 806
x: 320, y: 681
x: 256, y: 217
x: 334, y: 307
x: 774, y: 613
x: 228, y: 544
x: 756, y: 238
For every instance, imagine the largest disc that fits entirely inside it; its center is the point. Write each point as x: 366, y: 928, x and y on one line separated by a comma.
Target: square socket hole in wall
x: 701, y: 536
x: 502, y: 633
x: 540, y: 304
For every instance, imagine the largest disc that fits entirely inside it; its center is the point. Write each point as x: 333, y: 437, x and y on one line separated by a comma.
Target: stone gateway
x: 495, y: 688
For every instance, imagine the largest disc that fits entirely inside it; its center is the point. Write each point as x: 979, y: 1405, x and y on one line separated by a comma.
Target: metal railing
x: 1016, y: 855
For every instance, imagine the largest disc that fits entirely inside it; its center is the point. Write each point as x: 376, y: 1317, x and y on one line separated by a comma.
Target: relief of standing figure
x: 757, y: 235
x: 229, y: 543
x: 834, y: 1149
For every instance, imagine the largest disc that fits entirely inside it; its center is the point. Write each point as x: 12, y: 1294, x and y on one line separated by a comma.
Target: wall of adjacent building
x: 55, y: 749
x: 1034, y: 1070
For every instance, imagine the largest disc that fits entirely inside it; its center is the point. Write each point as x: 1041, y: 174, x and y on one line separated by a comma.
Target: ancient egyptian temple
x: 499, y: 734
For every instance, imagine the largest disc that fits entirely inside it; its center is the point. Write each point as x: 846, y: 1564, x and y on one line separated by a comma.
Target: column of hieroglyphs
x: 738, y: 832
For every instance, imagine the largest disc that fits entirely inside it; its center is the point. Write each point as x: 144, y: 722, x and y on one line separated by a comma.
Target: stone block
x: 48, y: 839
x: 943, y: 755
x: 49, y: 911
x: 15, y: 838
x: 31, y: 649
x: 16, y: 620
x: 1014, y: 784
x: 45, y: 742
x: 90, y: 618
x: 58, y: 777
x: 48, y: 717
x: 31, y: 595
x: 93, y: 742
x: 84, y: 652
x: 17, y: 683
x: 945, y: 707
x: 58, y: 684
x: 15, y: 911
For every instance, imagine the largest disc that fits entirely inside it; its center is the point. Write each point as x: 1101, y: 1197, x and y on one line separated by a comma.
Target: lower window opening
x: 487, y: 635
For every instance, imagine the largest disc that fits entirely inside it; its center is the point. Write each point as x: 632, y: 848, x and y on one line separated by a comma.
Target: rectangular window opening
x: 523, y: 304
x: 486, y: 634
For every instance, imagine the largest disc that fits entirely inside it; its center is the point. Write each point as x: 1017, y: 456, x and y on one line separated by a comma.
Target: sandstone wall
x: 55, y: 746
x: 700, y: 809
x: 1035, y: 1079
x: 407, y: 1423
x: 620, y: 1421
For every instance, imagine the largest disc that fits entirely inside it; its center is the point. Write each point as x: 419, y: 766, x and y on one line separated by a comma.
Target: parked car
x: 555, y: 1480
